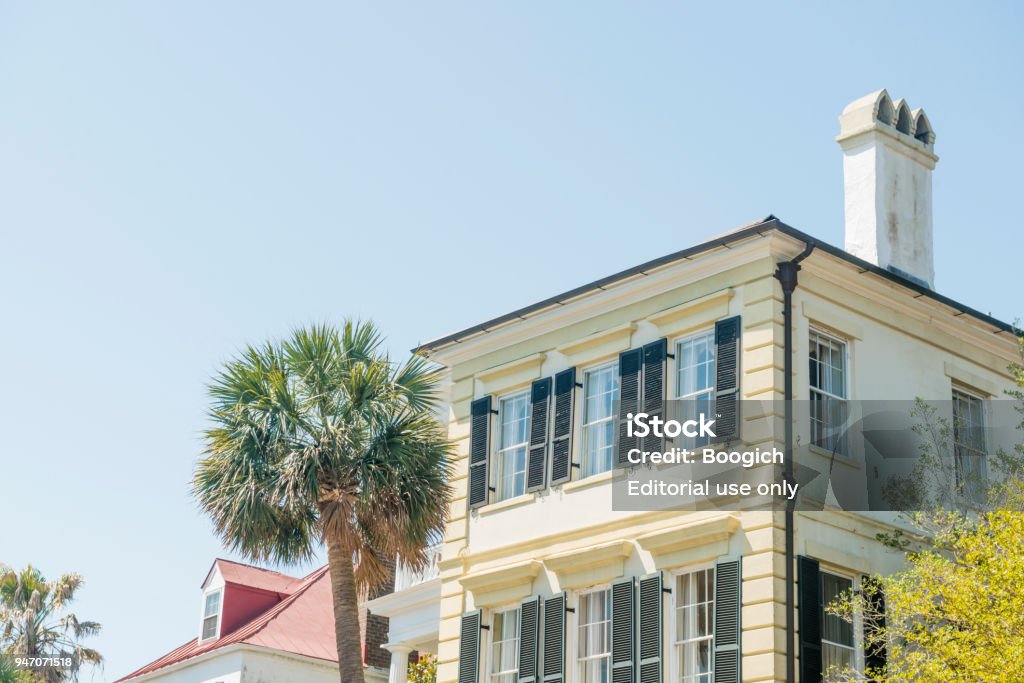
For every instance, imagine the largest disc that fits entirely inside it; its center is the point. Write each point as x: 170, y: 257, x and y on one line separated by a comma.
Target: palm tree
x: 321, y: 439
x: 34, y: 621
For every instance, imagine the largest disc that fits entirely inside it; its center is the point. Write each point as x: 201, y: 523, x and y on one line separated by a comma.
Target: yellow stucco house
x: 541, y: 580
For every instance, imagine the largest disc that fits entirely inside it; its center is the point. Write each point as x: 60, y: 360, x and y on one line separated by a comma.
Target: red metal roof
x: 302, y: 623
x: 254, y: 577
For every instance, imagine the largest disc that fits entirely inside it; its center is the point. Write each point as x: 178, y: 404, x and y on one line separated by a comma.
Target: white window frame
x: 857, y: 648
x: 576, y: 662
x: 981, y: 453
x: 842, y: 448
x: 613, y: 418
x: 489, y: 665
x: 675, y: 668
x: 218, y: 614
x: 500, y: 453
x: 676, y: 393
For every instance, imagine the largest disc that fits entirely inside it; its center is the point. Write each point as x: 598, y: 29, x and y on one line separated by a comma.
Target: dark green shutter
x: 529, y: 631
x: 537, y: 461
x: 653, y: 394
x: 727, y: 379
x: 623, y: 630
x: 728, y: 611
x: 650, y: 620
x: 561, y: 438
x: 874, y: 655
x: 808, y: 576
x: 554, y: 639
x: 469, y: 648
x: 630, y: 363
x: 479, y: 450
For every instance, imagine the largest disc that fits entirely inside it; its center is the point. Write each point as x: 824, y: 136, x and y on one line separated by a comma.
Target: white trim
x: 228, y: 649
x: 491, y: 612
x: 203, y: 616
x: 497, y: 455
x: 582, y: 414
x: 675, y: 671
x: 574, y: 631
x: 858, y: 621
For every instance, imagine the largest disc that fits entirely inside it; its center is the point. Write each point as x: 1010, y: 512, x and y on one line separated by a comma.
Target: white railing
x: 406, y: 578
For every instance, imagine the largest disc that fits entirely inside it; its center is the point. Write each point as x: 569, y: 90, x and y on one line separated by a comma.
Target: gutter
x: 786, y: 274
x: 758, y: 229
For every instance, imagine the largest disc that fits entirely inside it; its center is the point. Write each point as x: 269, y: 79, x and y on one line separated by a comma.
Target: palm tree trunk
x: 346, y: 613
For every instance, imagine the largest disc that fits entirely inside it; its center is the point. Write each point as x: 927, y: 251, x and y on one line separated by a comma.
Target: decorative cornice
x: 502, y: 577
x: 703, y: 532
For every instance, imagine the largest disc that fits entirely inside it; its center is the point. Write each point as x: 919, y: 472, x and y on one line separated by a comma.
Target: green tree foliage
x: 955, y: 613
x: 322, y: 439
x: 35, y: 622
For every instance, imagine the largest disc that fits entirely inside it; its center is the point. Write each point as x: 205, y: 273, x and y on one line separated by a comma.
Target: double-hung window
x: 594, y: 637
x: 969, y: 443
x: 837, y: 642
x: 829, y: 386
x: 694, y: 626
x: 695, y: 381
x: 211, y: 615
x: 510, y: 468
x: 504, y: 646
x: 600, y: 388
x: 513, y: 441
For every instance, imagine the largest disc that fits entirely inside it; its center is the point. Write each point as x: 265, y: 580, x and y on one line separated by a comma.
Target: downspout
x: 786, y: 274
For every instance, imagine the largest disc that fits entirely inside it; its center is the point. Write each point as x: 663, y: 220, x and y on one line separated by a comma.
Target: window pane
x: 594, y: 638
x: 828, y: 404
x: 504, y: 646
x: 694, y: 627
x: 209, y: 627
x: 212, y: 604
x: 514, y: 419
x: 695, y: 382
x: 600, y: 389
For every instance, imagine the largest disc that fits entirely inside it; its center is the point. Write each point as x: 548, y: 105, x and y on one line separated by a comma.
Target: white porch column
x: 399, y: 663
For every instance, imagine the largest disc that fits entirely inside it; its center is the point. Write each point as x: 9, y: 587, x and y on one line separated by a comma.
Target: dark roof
x: 768, y: 224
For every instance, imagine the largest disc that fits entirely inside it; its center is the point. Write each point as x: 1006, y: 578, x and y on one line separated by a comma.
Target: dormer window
x: 211, y: 615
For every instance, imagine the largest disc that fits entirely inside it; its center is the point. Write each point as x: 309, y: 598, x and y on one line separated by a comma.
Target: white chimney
x: 888, y: 157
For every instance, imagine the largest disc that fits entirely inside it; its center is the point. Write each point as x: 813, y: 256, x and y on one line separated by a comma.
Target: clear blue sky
x: 178, y: 179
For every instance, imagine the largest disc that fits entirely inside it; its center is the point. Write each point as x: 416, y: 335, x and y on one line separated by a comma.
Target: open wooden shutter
x: 808, y: 576
x: 630, y: 363
x: 479, y: 450
x: 536, y: 465
x: 727, y: 379
x: 623, y: 630
x: 554, y: 639
x: 875, y: 655
x: 529, y: 632
x: 561, y: 438
x: 653, y: 394
x: 650, y: 620
x: 728, y: 610
x: 469, y: 648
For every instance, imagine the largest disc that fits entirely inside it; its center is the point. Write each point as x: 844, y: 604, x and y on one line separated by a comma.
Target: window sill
x: 507, y: 504
x: 593, y: 480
